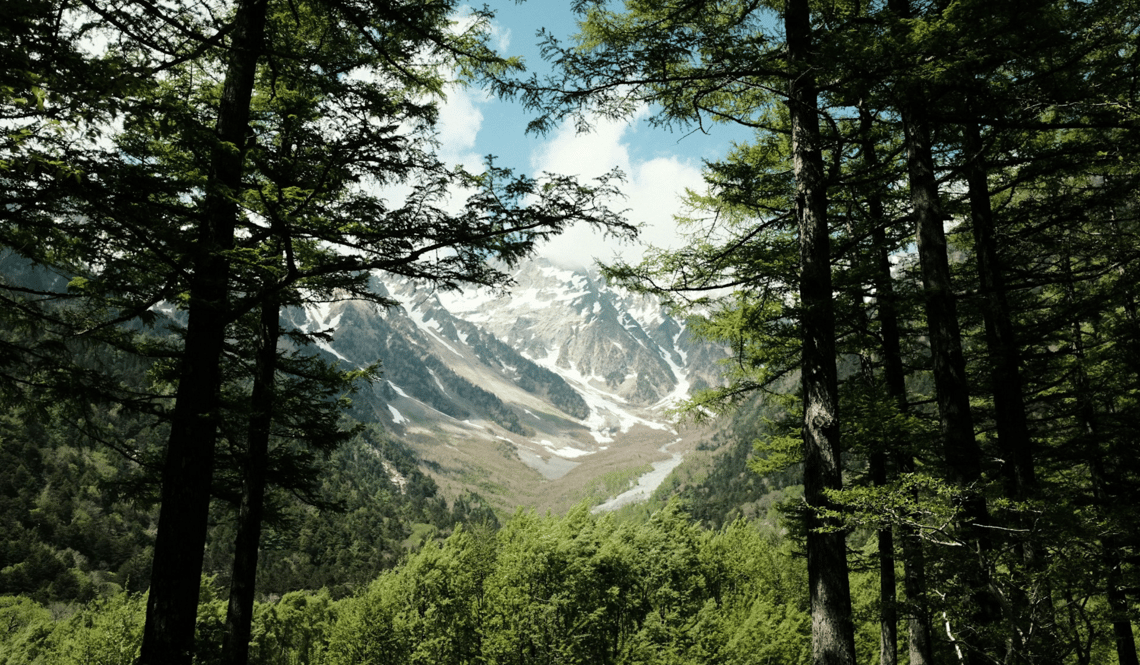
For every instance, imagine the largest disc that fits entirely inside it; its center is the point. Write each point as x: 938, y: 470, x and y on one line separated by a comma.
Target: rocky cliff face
x: 578, y: 326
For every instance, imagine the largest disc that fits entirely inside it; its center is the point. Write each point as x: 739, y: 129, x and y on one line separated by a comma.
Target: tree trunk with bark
x: 919, y: 643
x: 168, y: 637
x: 1004, y: 352
x: 894, y: 375
x: 961, y: 453
x: 1018, y: 467
x: 243, y: 581
x: 833, y: 640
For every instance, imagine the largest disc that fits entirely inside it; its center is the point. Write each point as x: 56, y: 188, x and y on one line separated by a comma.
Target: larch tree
x: 833, y: 641
x: 985, y: 86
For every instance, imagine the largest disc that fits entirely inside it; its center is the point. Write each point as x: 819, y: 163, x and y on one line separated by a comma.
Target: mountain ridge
x: 563, y: 374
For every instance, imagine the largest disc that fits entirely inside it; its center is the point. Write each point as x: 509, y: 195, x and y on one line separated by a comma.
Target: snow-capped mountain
x: 563, y: 373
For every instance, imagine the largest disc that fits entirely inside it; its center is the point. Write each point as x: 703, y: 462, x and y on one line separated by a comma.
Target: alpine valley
x: 554, y: 392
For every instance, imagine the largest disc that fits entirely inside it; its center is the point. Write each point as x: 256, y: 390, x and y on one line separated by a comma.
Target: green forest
x: 924, y: 264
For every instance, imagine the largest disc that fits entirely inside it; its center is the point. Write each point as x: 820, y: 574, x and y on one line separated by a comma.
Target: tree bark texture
x: 239, y: 612
x: 1018, y: 467
x: 878, y: 468
x: 895, y: 379
x: 168, y: 637
x: 888, y: 602
x: 961, y: 453
x: 1004, y: 352
x: 833, y: 640
x: 919, y: 642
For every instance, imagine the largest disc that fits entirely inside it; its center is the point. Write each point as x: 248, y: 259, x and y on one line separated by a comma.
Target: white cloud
x: 460, y: 115
x: 460, y: 120
x: 653, y: 190
x: 500, y: 36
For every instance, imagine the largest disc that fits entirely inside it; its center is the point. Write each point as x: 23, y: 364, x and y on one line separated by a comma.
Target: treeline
x: 65, y: 533
x: 718, y: 483
x: 575, y: 589
x: 581, y: 588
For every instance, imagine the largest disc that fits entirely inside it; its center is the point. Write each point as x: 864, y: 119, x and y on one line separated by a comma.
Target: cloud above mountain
x: 653, y: 189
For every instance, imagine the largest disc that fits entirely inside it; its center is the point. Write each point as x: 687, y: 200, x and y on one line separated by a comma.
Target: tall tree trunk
x: 888, y: 601
x: 961, y: 453
x: 1126, y: 653
x: 1018, y: 469
x: 1004, y: 352
x: 168, y: 637
x: 877, y: 467
x: 239, y: 612
x: 878, y: 459
x: 877, y: 464
x: 919, y: 642
x: 833, y: 641
x: 919, y: 645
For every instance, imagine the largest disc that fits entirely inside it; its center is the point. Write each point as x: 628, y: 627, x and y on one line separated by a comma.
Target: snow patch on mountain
x: 609, y: 413
x: 566, y: 452
x: 621, y: 351
x: 320, y: 316
x: 681, y: 391
x: 431, y: 328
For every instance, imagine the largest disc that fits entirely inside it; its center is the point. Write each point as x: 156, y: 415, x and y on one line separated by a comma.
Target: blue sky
x: 658, y: 164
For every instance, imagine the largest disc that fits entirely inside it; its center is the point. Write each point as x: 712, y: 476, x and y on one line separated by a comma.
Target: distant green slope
x: 716, y: 485
x: 77, y: 520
